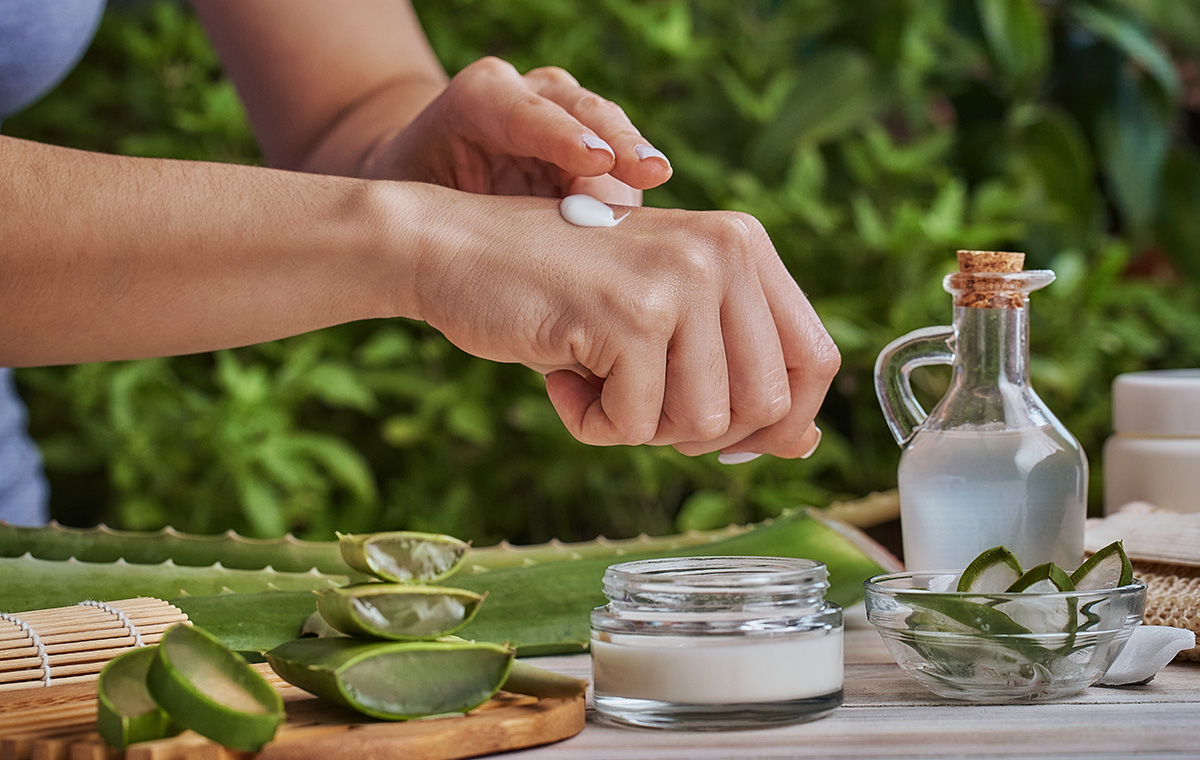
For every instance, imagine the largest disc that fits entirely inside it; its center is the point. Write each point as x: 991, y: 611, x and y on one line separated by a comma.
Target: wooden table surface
x: 888, y: 715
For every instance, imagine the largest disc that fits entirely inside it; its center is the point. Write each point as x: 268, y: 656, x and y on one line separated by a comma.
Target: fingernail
x: 595, y: 143
x: 816, y: 443
x: 737, y: 457
x: 644, y: 151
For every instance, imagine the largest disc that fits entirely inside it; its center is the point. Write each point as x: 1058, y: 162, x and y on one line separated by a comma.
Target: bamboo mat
x: 68, y: 645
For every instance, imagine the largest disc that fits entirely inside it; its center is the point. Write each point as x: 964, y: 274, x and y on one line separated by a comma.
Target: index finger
x: 636, y: 161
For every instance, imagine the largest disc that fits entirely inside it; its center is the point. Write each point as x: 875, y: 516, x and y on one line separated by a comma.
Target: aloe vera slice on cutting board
x: 395, y: 680
x: 396, y: 611
x: 210, y: 689
x: 403, y: 556
x: 126, y: 712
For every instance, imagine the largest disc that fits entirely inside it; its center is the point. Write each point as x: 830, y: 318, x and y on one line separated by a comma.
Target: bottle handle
x: 893, y: 385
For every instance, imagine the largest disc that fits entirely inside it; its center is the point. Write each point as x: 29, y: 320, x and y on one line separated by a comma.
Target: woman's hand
x: 494, y: 130
x: 354, y: 89
x: 673, y: 328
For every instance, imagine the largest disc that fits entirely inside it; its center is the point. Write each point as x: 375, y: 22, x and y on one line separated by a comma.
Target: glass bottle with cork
x: 990, y: 465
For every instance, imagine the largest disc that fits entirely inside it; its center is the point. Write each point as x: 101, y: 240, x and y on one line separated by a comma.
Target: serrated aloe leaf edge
x: 28, y: 583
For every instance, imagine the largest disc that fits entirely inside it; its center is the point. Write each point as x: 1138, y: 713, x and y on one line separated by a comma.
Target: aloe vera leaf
x: 396, y: 611
x: 288, y: 554
x: 505, y: 555
x: 395, y: 680
x: 403, y: 556
x: 126, y: 713
x: 252, y: 622
x: 872, y: 509
x: 28, y: 583
x: 545, y: 609
x: 539, y: 682
x: 211, y: 690
x: 105, y: 544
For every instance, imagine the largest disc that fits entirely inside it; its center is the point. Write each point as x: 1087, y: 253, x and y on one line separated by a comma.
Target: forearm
x: 324, y: 82
x: 107, y: 257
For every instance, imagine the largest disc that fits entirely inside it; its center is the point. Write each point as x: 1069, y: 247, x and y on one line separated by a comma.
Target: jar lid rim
x: 726, y: 573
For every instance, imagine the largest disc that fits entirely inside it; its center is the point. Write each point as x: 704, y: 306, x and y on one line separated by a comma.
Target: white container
x: 1154, y: 452
x: 716, y: 642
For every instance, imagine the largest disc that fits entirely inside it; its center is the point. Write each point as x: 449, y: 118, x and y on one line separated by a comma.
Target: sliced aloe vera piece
x: 1107, y: 568
x: 1045, y: 578
x: 947, y: 613
x: 126, y: 713
x: 213, y: 691
x: 530, y: 679
x: 403, y: 556
x: 994, y: 570
x: 395, y: 680
x: 396, y: 611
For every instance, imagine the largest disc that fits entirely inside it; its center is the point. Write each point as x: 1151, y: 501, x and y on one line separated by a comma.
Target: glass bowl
x: 1018, y: 647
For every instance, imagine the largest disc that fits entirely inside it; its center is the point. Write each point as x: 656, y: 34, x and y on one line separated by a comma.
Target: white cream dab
x: 585, y: 211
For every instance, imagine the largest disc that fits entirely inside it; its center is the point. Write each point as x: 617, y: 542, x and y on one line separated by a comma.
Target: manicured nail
x: 816, y: 443
x: 644, y: 151
x: 737, y: 457
x: 595, y: 143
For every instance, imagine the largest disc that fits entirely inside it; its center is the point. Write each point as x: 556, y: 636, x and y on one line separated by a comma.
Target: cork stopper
x: 1001, y: 262
x: 988, y: 292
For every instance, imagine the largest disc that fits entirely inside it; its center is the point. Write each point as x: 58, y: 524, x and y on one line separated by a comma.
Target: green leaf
x: 1177, y: 225
x: 1017, y: 38
x: 705, y: 510
x: 340, y: 387
x: 835, y: 91
x: 1133, y: 138
x: 342, y: 461
x: 1133, y: 40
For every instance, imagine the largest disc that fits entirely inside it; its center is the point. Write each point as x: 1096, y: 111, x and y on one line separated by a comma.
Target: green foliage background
x: 872, y: 138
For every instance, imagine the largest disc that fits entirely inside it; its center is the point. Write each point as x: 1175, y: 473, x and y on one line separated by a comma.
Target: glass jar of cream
x: 716, y: 642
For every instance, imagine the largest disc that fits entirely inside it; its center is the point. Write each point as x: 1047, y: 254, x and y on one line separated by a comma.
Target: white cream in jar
x: 716, y: 642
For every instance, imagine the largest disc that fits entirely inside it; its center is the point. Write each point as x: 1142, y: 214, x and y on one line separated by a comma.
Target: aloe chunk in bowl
x: 1007, y: 646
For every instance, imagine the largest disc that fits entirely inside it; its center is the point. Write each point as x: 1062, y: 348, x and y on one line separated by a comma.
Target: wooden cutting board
x: 59, y: 723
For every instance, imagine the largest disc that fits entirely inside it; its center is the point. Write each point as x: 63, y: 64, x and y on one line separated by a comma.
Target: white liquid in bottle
x: 965, y: 490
